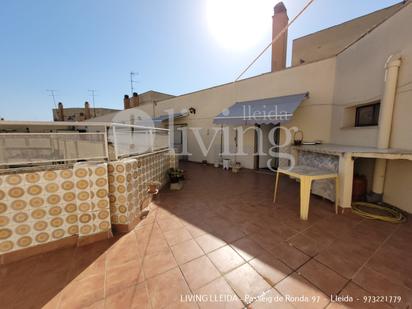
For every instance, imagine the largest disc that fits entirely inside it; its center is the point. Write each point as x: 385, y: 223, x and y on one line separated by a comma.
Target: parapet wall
x: 74, y: 204
x: 44, y: 206
x: 128, y: 183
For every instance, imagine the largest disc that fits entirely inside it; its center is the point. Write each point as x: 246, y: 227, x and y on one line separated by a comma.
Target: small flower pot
x: 153, y: 187
x: 176, y: 186
x: 174, y: 179
x: 175, y: 175
x: 236, y: 167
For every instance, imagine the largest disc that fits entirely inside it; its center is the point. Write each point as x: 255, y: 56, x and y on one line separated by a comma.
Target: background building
x: 148, y: 98
x: 62, y: 113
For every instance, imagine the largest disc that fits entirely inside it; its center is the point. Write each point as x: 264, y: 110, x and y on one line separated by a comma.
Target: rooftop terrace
x: 221, y: 235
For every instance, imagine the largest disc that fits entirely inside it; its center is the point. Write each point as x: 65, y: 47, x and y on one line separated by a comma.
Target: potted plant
x: 153, y: 187
x: 176, y: 177
x: 236, y: 167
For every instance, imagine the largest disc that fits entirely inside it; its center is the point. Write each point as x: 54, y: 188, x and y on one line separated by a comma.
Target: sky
x: 175, y: 46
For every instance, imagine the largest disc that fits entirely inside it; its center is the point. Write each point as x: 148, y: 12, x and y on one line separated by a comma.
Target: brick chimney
x: 134, y: 100
x: 60, y: 112
x: 87, y: 112
x: 280, y: 21
x: 126, y: 101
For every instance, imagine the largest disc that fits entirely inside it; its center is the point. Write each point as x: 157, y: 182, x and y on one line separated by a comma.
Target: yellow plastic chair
x: 306, y: 175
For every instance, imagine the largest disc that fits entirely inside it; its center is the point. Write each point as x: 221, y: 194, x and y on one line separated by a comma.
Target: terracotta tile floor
x: 220, y: 243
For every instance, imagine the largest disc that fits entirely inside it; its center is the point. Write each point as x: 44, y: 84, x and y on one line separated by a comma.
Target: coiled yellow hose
x: 395, y: 215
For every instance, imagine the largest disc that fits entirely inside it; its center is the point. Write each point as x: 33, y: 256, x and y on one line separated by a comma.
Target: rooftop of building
x: 194, y: 242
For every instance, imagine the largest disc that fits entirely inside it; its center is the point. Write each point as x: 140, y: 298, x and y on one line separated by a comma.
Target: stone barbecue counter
x: 339, y: 158
x: 357, y: 151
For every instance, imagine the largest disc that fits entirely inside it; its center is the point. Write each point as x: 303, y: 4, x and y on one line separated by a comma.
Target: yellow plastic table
x: 306, y: 175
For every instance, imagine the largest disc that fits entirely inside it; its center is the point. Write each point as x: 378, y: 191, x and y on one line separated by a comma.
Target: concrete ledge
x: 120, y: 228
x: 21, y: 254
x: 86, y: 240
x: 71, y: 241
x: 125, y: 228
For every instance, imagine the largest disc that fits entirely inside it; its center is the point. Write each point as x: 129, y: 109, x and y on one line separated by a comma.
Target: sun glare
x: 239, y: 24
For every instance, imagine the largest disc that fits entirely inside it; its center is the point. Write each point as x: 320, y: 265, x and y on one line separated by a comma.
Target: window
x: 367, y: 115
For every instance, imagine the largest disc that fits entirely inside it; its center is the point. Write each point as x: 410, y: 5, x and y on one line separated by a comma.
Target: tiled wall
x: 43, y: 206
x: 92, y: 198
x: 129, y: 180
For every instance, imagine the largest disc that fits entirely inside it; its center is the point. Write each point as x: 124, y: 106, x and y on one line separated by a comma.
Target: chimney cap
x: 280, y: 8
x: 60, y: 104
x: 135, y: 94
x: 126, y: 96
x: 86, y: 103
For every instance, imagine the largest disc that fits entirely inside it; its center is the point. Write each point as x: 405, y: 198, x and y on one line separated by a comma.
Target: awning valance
x: 271, y: 110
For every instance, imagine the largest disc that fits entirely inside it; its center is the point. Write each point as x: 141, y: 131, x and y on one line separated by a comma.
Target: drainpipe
x: 385, y: 122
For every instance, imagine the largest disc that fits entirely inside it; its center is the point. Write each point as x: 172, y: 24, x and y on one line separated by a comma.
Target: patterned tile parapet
x: 92, y: 198
x: 43, y: 206
x: 129, y: 180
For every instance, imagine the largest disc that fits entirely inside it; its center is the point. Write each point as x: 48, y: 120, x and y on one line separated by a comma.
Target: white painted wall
x: 331, y: 41
x: 313, y: 116
x: 360, y: 78
x: 355, y: 76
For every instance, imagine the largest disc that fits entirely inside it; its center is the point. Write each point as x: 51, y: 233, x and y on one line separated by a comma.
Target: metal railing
x: 35, y: 148
x: 130, y: 140
x: 102, y: 141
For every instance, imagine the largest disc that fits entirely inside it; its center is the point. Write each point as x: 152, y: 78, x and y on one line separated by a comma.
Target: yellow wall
x: 331, y: 41
x: 398, y: 184
x: 336, y: 86
x: 313, y: 116
x: 360, y: 79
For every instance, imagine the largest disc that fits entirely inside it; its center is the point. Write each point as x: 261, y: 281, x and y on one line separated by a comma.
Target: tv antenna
x: 132, y: 81
x: 93, y: 94
x: 53, y: 95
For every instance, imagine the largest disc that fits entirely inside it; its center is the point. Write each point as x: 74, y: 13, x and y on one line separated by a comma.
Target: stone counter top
x: 357, y: 151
